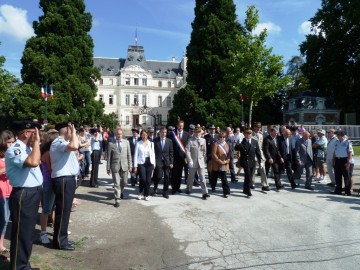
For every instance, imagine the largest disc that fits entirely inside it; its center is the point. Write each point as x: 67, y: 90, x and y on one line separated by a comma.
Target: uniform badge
x: 17, y: 145
x: 17, y: 152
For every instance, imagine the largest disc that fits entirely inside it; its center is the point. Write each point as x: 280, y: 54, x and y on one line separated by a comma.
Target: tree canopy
x: 60, y: 55
x: 332, y: 53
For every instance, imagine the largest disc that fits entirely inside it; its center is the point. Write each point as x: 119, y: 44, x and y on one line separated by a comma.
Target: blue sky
x: 163, y: 26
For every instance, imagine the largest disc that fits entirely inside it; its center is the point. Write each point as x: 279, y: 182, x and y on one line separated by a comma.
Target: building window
x: 127, y: 99
x: 127, y: 81
x: 111, y: 81
x: 160, y: 101
x: 144, y: 82
x: 160, y: 83
x: 111, y: 99
x: 143, y: 101
x: 136, y: 100
x: 127, y: 120
x: 101, y: 81
x: 169, y: 84
x: 168, y: 101
x: 136, y: 81
x: 144, y: 120
x: 101, y: 97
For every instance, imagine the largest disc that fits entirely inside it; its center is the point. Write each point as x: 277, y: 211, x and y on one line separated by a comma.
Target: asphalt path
x: 289, y: 229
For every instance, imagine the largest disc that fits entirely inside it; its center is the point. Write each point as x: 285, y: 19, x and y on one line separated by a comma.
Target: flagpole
x: 46, y: 100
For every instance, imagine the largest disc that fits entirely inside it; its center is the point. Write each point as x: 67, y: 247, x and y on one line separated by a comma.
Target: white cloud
x: 13, y: 22
x: 305, y: 29
x: 269, y: 26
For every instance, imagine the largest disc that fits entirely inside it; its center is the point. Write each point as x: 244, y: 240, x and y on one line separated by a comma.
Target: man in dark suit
x: 272, y: 155
x: 164, y: 155
x: 151, y: 134
x: 248, y: 149
x: 133, y: 140
x: 286, y: 156
x: 180, y: 139
x: 210, y: 138
x: 230, y: 140
x: 304, y: 158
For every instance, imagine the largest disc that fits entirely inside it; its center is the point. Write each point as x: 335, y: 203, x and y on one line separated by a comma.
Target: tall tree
x: 256, y: 72
x: 213, y: 36
x: 332, y: 53
x: 298, y: 81
x: 61, y: 54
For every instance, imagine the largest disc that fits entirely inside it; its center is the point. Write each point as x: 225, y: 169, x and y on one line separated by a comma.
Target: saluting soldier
x: 65, y: 167
x: 22, y: 168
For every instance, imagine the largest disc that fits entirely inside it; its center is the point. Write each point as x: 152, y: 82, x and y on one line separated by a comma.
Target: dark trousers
x: 288, y: 169
x: 87, y: 161
x: 224, y: 182
x: 64, y: 189
x: 340, y: 172
x: 276, y: 171
x: 95, y: 158
x: 177, y: 174
x: 248, y: 173
x: 145, y: 172
x: 24, y: 206
x: 158, y: 174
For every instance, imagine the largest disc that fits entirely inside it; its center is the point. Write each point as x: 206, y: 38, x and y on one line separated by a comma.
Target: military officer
x: 22, y: 168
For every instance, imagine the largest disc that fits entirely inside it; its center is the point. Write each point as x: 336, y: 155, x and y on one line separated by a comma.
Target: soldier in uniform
x: 65, y: 167
x: 210, y: 138
x: 22, y: 161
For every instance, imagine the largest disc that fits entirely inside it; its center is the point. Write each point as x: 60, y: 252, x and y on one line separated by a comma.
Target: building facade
x: 139, y: 92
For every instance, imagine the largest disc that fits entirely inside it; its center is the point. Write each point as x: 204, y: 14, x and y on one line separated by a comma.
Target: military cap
x: 150, y: 129
x: 191, y: 127
x: 22, y: 125
x: 61, y: 125
x: 212, y: 126
x: 171, y: 128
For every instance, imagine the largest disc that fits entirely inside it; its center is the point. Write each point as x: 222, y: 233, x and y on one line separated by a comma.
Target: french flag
x: 43, y: 93
x: 51, y: 93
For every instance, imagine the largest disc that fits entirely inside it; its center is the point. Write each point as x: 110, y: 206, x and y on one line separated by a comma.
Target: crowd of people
x: 47, y: 166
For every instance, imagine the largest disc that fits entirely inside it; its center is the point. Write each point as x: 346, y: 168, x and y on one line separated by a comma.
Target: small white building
x: 140, y: 92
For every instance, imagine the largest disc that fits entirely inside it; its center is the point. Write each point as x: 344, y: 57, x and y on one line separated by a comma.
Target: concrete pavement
x: 290, y: 229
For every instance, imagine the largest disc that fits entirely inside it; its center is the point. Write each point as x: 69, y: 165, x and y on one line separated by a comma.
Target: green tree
x: 298, y: 81
x: 213, y: 36
x: 60, y: 54
x: 256, y: 72
x: 332, y: 53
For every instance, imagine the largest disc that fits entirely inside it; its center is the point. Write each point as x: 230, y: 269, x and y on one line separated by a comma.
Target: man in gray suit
x: 196, y: 156
x: 304, y: 159
x: 119, y: 163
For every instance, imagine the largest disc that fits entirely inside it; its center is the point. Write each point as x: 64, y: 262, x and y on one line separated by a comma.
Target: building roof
x: 136, y: 56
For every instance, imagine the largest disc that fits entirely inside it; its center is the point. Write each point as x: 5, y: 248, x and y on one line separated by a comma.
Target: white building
x: 140, y: 92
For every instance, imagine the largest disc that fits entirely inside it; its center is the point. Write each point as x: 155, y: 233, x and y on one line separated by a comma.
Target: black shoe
x: 331, y: 185
x: 133, y: 185
x: 204, y: 197
x: 173, y: 192
x: 252, y: 187
x: 67, y: 247
x: 213, y: 190
x: 117, y: 204
x: 225, y: 195
x: 166, y: 196
x: 234, y: 181
x: 122, y: 196
x: 187, y: 192
x: 293, y: 186
x: 265, y: 188
x: 309, y: 188
x: 179, y: 191
x: 280, y: 187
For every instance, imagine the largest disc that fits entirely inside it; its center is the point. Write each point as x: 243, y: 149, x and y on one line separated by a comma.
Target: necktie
x: 212, y: 136
x: 198, y: 141
x: 287, y: 146
x: 162, y: 144
x: 119, y: 145
x: 180, y: 135
x: 249, y: 142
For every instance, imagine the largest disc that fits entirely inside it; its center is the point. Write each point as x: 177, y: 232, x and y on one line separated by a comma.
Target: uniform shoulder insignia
x: 17, y: 152
x: 16, y: 145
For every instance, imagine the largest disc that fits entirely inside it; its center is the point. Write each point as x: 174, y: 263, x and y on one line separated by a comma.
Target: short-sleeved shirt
x: 322, y: 144
x: 95, y: 145
x: 342, y: 148
x: 19, y: 175
x: 63, y: 163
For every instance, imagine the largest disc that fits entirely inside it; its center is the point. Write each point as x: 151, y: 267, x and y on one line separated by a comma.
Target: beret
x: 21, y: 125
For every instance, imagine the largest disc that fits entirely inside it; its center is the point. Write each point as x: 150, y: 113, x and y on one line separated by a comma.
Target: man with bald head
x: 304, y: 158
x: 286, y: 157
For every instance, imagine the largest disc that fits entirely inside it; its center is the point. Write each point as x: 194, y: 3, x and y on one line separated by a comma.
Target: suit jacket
x: 167, y: 153
x: 248, y: 152
x: 303, y: 150
x: 117, y: 160
x: 260, y: 139
x: 271, y: 150
x: 218, y: 156
x: 231, y: 142
x: 196, y: 152
x: 178, y: 154
x: 283, y: 148
x: 132, y: 147
x: 139, y: 156
x: 209, y: 144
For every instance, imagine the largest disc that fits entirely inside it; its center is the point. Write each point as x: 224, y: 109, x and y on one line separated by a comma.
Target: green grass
x: 357, y: 150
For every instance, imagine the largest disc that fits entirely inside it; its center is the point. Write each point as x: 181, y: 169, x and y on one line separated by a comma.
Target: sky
x: 163, y: 27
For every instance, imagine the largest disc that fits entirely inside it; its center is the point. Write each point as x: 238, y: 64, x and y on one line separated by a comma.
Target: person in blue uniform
x: 96, y: 145
x: 22, y: 161
x: 65, y: 167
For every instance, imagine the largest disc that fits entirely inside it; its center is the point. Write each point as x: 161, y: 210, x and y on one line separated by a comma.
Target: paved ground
x: 290, y: 229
